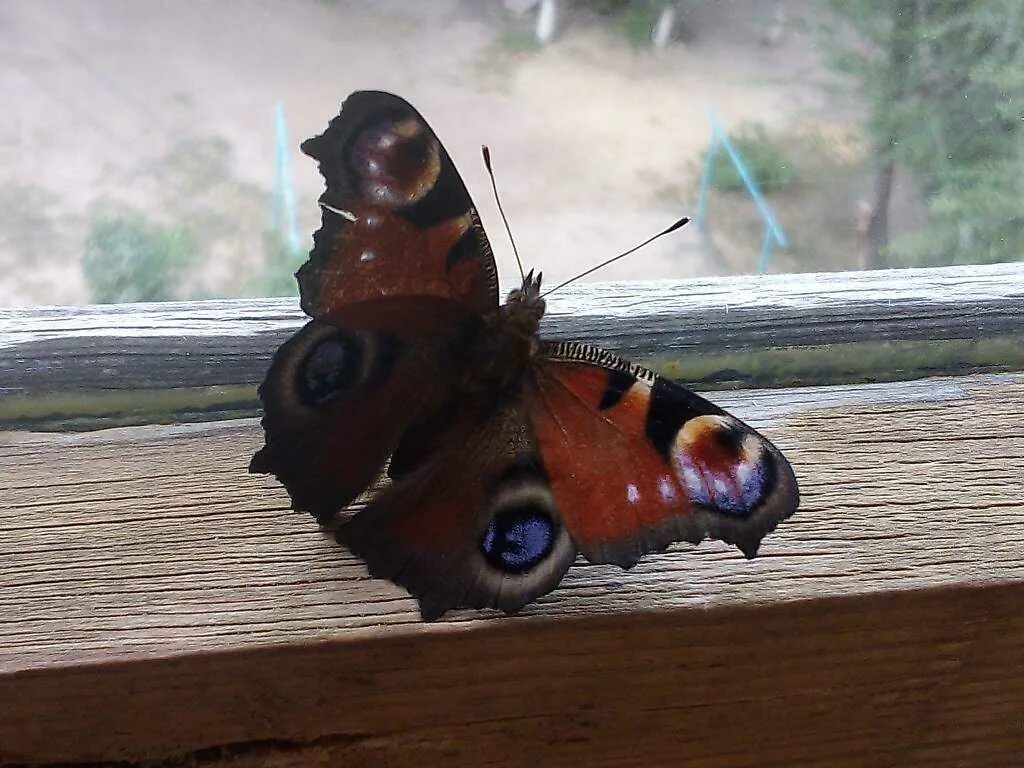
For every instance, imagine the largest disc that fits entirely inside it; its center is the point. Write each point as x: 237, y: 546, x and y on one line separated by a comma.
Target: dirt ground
x: 596, y: 144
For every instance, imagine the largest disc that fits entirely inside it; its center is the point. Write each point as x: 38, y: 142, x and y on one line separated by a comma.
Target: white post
x: 547, y: 21
x: 661, y: 34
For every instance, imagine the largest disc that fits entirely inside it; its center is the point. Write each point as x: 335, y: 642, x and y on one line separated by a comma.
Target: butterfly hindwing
x: 475, y: 525
x: 637, y: 462
x: 396, y: 218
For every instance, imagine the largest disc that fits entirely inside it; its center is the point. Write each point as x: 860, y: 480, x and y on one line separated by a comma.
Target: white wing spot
x: 693, y: 481
x: 632, y: 494
x: 667, y: 488
x: 346, y: 214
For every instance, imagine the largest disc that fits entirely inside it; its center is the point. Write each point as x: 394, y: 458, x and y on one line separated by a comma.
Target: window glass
x: 149, y: 151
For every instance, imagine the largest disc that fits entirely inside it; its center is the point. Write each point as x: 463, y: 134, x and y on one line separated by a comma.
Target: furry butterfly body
x: 509, y: 455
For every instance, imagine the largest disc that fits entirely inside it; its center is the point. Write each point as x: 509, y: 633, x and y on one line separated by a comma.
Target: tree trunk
x: 878, y: 225
x: 901, y: 49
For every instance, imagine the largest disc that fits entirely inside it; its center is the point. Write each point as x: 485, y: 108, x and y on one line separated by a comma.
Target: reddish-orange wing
x: 397, y: 220
x: 594, y: 455
x: 636, y: 462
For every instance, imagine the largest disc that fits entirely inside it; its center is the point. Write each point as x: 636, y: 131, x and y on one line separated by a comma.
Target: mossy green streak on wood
x: 84, y: 409
x: 853, y: 363
x: 857, y: 362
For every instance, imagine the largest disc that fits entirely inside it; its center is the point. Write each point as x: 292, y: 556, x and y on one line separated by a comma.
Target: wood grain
x: 227, y: 343
x: 157, y: 602
x: 922, y: 678
x: 126, y: 542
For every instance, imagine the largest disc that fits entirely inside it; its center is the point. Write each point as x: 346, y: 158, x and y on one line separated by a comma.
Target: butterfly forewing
x: 399, y: 269
x: 397, y: 219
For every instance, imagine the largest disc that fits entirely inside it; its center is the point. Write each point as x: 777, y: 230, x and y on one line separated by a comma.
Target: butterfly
x: 508, y: 455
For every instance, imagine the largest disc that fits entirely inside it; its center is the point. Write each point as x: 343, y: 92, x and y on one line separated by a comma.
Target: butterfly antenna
x: 494, y: 188
x: 673, y: 228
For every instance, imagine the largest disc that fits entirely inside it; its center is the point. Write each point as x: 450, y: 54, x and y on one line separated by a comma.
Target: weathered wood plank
x: 926, y: 678
x: 144, y: 574
x: 155, y: 540
x: 228, y: 343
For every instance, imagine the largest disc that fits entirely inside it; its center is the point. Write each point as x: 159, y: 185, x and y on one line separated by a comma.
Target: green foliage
x: 279, y: 266
x: 944, y: 85
x: 635, y: 18
x: 208, y: 241
x: 764, y: 159
x: 518, y: 38
x: 128, y: 257
x: 606, y: 6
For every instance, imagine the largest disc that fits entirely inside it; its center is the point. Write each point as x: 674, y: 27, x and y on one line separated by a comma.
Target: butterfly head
x: 525, y: 303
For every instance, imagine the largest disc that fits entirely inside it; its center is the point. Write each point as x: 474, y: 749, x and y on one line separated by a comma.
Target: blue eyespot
x: 755, y: 485
x: 330, y: 369
x: 518, y: 539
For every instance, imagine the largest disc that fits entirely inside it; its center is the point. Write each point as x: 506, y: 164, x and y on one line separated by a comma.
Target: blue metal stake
x: 705, y: 179
x: 773, y: 234
x: 750, y: 183
x: 283, y: 214
x: 765, y: 257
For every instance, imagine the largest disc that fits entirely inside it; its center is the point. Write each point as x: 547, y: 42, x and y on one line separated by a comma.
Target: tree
x: 130, y: 258
x: 943, y: 83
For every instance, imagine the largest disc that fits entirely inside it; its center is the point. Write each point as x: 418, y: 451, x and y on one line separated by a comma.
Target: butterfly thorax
x: 525, y: 306
x: 497, y: 353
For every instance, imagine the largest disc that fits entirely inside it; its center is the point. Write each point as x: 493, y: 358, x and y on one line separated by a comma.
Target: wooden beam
x: 903, y: 679
x: 145, y: 574
x: 229, y: 343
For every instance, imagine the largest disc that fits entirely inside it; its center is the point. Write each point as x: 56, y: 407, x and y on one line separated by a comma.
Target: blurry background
x: 148, y: 150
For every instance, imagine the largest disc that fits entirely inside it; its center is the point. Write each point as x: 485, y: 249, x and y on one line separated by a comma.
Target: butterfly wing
x: 399, y: 272
x: 341, y: 392
x: 636, y: 462
x: 474, y: 526
x: 594, y: 455
x: 397, y: 219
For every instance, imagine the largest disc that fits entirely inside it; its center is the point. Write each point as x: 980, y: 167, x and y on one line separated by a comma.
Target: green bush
x: 637, y: 21
x: 279, y: 266
x: 634, y: 18
x: 128, y: 257
x: 763, y: 157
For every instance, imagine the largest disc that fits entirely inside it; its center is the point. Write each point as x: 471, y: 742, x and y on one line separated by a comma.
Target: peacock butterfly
x: 509, y: 454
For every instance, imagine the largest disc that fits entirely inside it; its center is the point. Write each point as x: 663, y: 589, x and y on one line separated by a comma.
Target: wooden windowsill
x: 160, y: 603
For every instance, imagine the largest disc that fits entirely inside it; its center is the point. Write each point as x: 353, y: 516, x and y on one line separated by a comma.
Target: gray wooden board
x: 154, y: 540
x: 117, y: 347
